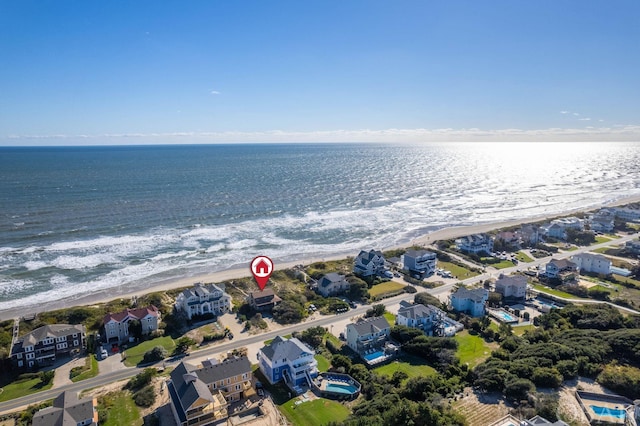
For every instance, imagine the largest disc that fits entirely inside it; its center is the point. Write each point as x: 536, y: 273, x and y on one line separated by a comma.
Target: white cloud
x: 214, y: 92
x: 584, y: 119
x: 565, y: 112
x: 576, y: 114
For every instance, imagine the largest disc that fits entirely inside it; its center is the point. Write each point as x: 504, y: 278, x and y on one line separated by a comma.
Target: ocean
x: 76, y: 220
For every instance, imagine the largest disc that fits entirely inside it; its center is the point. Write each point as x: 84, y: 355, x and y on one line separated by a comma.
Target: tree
x: 313, y: 336
x: 145, y: 397
x: 135, y: 329
x: 376, y: 311
x: 424, y: 298
x: 518, y: 389
x: 546, y: 377
x: 183, y: 344
x: 341, y: 361
x: 158, y: 353
x: 288, y: 312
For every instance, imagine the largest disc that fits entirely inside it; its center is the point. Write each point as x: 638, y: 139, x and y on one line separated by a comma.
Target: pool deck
x: 612, y: 402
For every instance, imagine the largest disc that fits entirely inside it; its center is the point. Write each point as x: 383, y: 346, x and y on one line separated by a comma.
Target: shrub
x: 141, y: 379
x: 156, y: 354
x: 145, y: 397
x: 47, y: 376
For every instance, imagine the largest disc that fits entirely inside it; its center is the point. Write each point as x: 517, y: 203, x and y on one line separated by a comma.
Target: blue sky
x: 225, y: 71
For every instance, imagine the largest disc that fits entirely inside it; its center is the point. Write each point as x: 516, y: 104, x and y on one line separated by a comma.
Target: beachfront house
x: 508, y: 238
x: 116, y: 326
x: 511, y: 420
x: 592, y: 263
x: 627, y: 214
x: 561, y: 269
x: 201, y: 395
x: 470, y: 301
x: 331, y: 284
x: 263, y: 300
x: 368, y: 334
x: 289, y: 360
x: 602, y: 221
x: 44, y: 344
x: 476, y: 243
x: 203, y: 299
x: 557, y: 228
x: 369, y: 263
x: 419, y: 262
x: 68, y: 409
x: 529, y: 234
x: 430, y: 319
x: 632, y: 246
x: 553, y: 230
x: 512, y: 286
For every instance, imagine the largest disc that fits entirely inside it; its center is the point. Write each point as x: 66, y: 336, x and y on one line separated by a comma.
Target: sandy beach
x: 229, y: 274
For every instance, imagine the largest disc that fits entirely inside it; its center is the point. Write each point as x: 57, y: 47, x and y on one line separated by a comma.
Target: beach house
x: 289, y: 360
x: 602, y: 221
x: 592, y: 263
x: 512, y: 286
x: 42, y: 345
x: 203, y: 299
x: 529, y: 234
x: 331, y: 284
x: 430, y: 319
x: 369, y: 263
x: 561, y: 269
x: 68, y: 409
x: 420, y: 262
x: 633, y: 246
x: 367, y: 334
x: 627, y: 213
x: 476, y: 243
x: 116, y: 326
x: 263, y: 300
x: 470, y: 301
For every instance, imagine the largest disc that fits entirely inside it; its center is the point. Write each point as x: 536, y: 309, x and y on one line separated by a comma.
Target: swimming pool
x: 612, y: 412
x: 504, y: 316
x: 344, y: 388
x: 375, y: 355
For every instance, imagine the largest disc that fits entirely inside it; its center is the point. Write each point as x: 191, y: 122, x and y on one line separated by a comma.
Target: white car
x: 104, y: 354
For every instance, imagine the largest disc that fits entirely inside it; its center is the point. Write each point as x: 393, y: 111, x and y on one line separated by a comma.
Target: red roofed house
x: 116, y: 326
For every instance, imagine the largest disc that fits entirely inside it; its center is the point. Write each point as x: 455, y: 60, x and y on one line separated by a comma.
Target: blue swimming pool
x: 375, y: 355
x: 604, y: 411
x: 344, y: 388
x: 505, y: 316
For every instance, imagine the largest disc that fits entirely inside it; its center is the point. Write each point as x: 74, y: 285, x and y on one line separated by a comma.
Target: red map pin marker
x: 261, y: 267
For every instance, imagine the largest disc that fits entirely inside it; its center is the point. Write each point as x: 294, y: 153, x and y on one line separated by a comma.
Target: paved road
x: 109, y: 377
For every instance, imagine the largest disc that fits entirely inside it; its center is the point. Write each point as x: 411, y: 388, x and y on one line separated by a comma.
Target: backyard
x: 384, y: 288
x: 472, y: 349
x: 457, y: 271
x: 23, y: 387
x: 413, y: 366
x: 314, y: 413
x: 135, y: 354
x: 120, y: 409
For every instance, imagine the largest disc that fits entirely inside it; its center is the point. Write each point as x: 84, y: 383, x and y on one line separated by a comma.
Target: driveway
x: 64, y: 368
x: 111, y: 364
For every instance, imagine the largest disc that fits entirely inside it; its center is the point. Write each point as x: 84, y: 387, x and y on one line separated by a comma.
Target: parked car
x: 103, y: 353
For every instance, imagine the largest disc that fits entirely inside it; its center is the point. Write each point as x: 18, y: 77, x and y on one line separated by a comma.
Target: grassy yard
x: 503, y: 264
x: 121, y: 408
x: 522, y: 257
x: 387, y: 287
x: 472, y: 349
x: 323, y: 363
x: 22, y: 388
x: 519, y: 330
x: 91, y: 369
x: 337, y: 342
x: 135, y: 354
x: 603, y: 250
x: 412, y: 365
x: 602, y: 239
x: 391, y: 318
x: 457, y: 271
x: 314, y: 413
x: 554, y: 292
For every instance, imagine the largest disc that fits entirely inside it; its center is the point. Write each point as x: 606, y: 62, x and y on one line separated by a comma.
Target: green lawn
x: 412, y: 365
x: 135, y: 354
x: 522, y: 257
x: 391, y: 318
x: 622, y: 279
x: 22, y: 388
x: 602, y: 239
x: 121, y: 409
x: 314, y: 413
x: 503, y: 264
x: 602, y: 250
x: 323, y: 363
x: 473, y: 349
x: 92, y: 371
x: 337, y: 342
x: 387, y: 287
x: 457, y: 271
x: 519, y: 330
x: 553, y: 292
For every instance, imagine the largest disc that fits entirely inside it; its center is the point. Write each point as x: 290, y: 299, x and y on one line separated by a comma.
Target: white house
x: 571, y: 222
x: 633, y: 246
x: 368, y: 334
x: 561, y: 268
x: 116, y: 326
x: 369, y: 263
x: 602, y: 221
x: 594, y: 263
x: 331, y: 284
x: 42, y: 345
x: 204, y: 299
x: 429, y: 319
x: 512, y: 286
x: 289, y: 360
x: 470, y: 301
x: 476, y: 243
x: 422, y: 262
x: 555, y: 230
x: 628, y: 214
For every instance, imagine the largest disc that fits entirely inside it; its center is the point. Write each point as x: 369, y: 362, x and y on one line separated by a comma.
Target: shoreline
x: 429, y: 238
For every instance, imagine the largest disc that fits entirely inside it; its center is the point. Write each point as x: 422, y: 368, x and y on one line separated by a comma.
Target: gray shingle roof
x: 418, y: 311
x: 67, y: 409
x: 290, y: 349
x: 371, y: 325
x: 331, y: 278
x: 229, y: 368
x: 476, y: 294
x: 51, y: 330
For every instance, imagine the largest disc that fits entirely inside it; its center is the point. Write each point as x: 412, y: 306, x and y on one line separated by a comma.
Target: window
x: 237, y: 387
x: 28, y: 348
x: 245, y: 376
x: 31, y: 355
x: 75, y: 343
x: 75, y: 335
x: 19, y: 356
